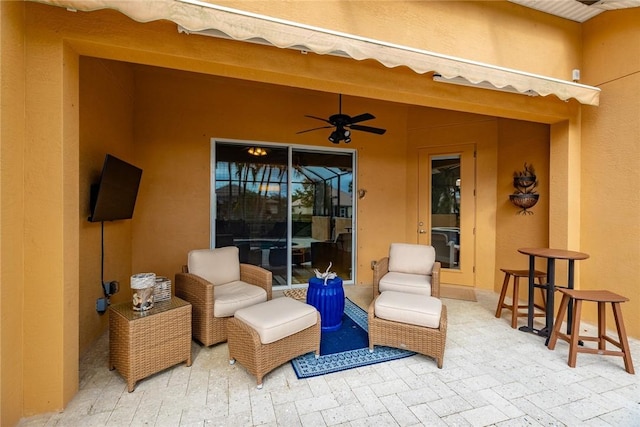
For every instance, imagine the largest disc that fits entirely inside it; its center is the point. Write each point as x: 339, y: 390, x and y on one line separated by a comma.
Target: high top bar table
x: 551, y: 255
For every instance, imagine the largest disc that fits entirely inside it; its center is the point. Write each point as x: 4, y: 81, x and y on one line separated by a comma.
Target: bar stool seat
x: 602, y: 298
x: 515, y: 306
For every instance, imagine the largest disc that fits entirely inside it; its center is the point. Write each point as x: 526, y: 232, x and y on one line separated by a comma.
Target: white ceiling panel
x: 575, y: 10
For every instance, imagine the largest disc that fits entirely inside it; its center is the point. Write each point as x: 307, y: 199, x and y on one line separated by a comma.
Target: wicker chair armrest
x: 380, y: 268
x: 435, y: 280
x: 258, y: 276
x: 370, y: 310
x: 197, y: 291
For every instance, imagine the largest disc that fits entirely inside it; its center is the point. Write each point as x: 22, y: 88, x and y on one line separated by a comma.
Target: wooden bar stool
x: 515, y: 306
x: 602, y: 298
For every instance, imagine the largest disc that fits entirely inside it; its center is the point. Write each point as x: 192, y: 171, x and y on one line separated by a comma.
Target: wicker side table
x: 144, y: 343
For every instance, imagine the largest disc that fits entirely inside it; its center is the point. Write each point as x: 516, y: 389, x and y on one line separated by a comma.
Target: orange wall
x: 465, y: 29
x: 433, y: 128
x: 502, y: 146
x: 521, y: 142
x: 611, y: 155
x: 50, y: 220
x: 106, y: 126
x: 178, y: 113
x: 12, y: 193
x: 45, y: 82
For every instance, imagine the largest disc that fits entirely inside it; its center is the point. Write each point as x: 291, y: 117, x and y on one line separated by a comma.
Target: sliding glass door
x: 289, y: 210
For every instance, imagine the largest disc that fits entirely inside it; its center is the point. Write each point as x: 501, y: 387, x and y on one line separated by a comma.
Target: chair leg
x: 622, y: 337
x: 602, y: 326
x: 575, y: 333
x: 558, y: 323
x: 503, y: 293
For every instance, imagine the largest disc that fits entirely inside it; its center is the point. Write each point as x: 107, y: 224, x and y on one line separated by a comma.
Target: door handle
x: 422, y: 231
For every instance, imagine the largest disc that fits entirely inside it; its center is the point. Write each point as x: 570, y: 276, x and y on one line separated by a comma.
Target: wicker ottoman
x: 267, y: 335
x: 408, y: 321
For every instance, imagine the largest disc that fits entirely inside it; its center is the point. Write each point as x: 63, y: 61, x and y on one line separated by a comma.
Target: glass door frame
x: 291, y: 148
x: 465, y: 273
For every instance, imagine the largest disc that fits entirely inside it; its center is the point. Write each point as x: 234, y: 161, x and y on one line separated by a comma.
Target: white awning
x: 210, y: 19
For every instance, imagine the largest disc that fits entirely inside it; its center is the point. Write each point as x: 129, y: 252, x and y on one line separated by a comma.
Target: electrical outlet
x: 110, y: 288
x: 114, y: 287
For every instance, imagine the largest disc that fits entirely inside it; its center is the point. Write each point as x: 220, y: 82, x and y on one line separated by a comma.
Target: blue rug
x: 346, y: 348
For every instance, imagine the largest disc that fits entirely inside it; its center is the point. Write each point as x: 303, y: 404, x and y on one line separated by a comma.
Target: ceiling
x: 577, y: 10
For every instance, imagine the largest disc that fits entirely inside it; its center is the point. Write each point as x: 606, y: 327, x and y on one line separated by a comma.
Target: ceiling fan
x: 344, y: 124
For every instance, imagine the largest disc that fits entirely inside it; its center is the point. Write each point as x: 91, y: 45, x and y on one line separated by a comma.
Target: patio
x: 492, y: 375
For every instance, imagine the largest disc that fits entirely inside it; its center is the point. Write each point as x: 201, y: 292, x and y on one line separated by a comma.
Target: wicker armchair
x: 414, y: 265
x: 217, y: 284
x: 406, y: 311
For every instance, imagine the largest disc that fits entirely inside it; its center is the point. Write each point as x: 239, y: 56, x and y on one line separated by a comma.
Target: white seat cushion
x: 406, y: 282
x: 410, y: 258
x: 278, y: 318
x: 230, y: 297
x: 406, y: 308
x: 218, y: 266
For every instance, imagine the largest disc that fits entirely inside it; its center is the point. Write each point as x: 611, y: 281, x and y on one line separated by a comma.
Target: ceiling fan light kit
x: 344, y: 124
x: 340, y: 135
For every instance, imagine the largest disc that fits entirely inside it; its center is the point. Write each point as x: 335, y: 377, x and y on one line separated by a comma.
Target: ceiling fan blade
x: 309, y: 130
x: 318, y: 118
x: 362, y: 118
x: 378, y: 131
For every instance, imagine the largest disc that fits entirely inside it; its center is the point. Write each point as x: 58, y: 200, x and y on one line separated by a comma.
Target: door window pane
x: 322, y: 205
x: 251, y: 205
x: 445, y: 209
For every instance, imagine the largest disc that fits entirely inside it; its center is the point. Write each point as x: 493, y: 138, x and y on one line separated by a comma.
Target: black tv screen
x: 114, y: 196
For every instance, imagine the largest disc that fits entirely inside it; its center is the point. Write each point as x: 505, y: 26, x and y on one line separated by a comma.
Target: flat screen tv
x: 114, y: 196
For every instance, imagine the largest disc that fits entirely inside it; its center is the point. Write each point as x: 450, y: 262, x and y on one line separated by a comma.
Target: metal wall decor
x: 525, y: 183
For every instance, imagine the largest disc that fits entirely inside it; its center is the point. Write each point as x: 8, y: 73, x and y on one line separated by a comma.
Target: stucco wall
x: 177, y: 113
x: 12, y: 129
x: 465, y: 29
x: 50, y: 221
x: 502, y: 146
x: 54, y: 39
x: 436, y: 128
x: 611, y: 156
x: 521, y: 142
x: 106, y: 126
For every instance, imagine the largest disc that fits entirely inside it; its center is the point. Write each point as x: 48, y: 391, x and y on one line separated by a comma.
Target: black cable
x: 102, y: 261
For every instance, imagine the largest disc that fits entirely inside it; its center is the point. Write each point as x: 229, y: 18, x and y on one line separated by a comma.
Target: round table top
x: 554, y: 253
